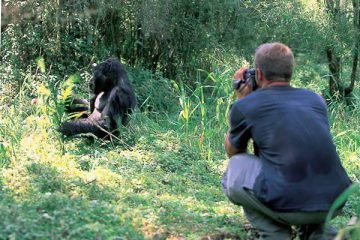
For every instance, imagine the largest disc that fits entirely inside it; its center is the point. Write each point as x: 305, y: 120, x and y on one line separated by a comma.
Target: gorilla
x: 113, y: 99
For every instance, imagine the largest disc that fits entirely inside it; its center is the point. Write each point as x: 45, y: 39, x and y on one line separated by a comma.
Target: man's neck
x: 275, y: 83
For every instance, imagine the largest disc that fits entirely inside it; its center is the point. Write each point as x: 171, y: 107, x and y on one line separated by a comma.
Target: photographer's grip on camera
x: 244, y: 78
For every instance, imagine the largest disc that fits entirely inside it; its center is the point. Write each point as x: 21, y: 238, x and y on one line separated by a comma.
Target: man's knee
x: 241, y: 173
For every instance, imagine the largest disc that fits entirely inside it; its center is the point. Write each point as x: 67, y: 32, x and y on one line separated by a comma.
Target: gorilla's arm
x: 78, y: 108
x: 120, y: 104
x: 92, y: 102
x: 94, y: 124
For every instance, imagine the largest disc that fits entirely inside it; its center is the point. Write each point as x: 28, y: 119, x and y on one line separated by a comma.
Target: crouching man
x: 295, y: 174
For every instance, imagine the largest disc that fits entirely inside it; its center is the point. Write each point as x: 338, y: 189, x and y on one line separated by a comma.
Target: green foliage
x: 157, y: 186
x: 155, y: 181
x: 3, y: 155
x: 173, y: 37
x: 148, y: 94
x: 160, y: 179
x: 73, y: 218
x: 353, y: 229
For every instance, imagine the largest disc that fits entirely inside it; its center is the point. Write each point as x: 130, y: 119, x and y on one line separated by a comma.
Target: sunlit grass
x: 160, y: 184
x: 157, y: 181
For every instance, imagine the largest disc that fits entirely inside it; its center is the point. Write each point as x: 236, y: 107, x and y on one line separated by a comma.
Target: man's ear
x: 259, y: 77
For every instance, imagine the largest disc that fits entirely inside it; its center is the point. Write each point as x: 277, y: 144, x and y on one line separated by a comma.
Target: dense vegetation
x: 160, y: 179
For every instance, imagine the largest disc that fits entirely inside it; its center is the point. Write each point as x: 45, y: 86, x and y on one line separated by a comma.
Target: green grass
x: 159, y: 180
x: 157, y: 187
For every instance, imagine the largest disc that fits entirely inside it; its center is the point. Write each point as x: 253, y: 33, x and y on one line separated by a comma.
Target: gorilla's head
x: 106, y: 76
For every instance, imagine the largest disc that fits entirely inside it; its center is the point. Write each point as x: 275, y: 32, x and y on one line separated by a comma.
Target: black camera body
x: 249, y: 78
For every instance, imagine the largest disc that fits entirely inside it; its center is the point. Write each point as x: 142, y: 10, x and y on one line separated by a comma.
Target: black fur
x: 113, y: 99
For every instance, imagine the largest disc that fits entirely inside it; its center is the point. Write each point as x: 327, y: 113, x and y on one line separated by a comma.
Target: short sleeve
x: 322, y: 100
x: 239, y: 129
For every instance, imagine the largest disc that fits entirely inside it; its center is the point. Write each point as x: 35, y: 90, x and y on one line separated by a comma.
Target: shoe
x: 317, y: 232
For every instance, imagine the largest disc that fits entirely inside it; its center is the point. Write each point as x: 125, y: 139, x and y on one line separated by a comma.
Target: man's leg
x: 241, y: 172
x: 237, y: 181
x: 267, y: 222
x: 267, y: 227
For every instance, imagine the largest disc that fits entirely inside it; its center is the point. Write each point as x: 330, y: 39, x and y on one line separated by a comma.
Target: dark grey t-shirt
x: 301, y: 168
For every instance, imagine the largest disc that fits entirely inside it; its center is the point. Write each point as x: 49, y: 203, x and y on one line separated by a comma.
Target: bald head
x: 275, y: 60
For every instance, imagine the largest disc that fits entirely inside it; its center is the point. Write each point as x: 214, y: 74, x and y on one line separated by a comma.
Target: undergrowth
x: 159, y: 180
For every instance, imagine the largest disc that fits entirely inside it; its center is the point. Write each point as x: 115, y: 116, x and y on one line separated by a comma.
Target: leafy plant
x: 354, y: 229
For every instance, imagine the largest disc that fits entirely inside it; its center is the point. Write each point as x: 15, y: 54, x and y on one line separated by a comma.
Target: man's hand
x: 245, y: 88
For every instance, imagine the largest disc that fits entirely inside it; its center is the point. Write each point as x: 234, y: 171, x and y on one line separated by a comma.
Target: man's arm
x: 230, y: 149
x: 238, y: 126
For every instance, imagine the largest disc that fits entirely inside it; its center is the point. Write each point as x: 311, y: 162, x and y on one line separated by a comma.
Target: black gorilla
x: 113, y: 99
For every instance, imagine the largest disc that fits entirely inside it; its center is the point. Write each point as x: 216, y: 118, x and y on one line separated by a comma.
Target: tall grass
x: 159, y: 179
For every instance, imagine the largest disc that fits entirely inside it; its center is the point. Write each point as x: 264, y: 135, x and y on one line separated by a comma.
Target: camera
x: 249, y: 77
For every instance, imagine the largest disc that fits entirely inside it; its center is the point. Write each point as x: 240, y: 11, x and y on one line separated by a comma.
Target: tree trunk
x: 356, y: 7
x: 334, y: 67
x: 334, y: 60
x: 60, y: 24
